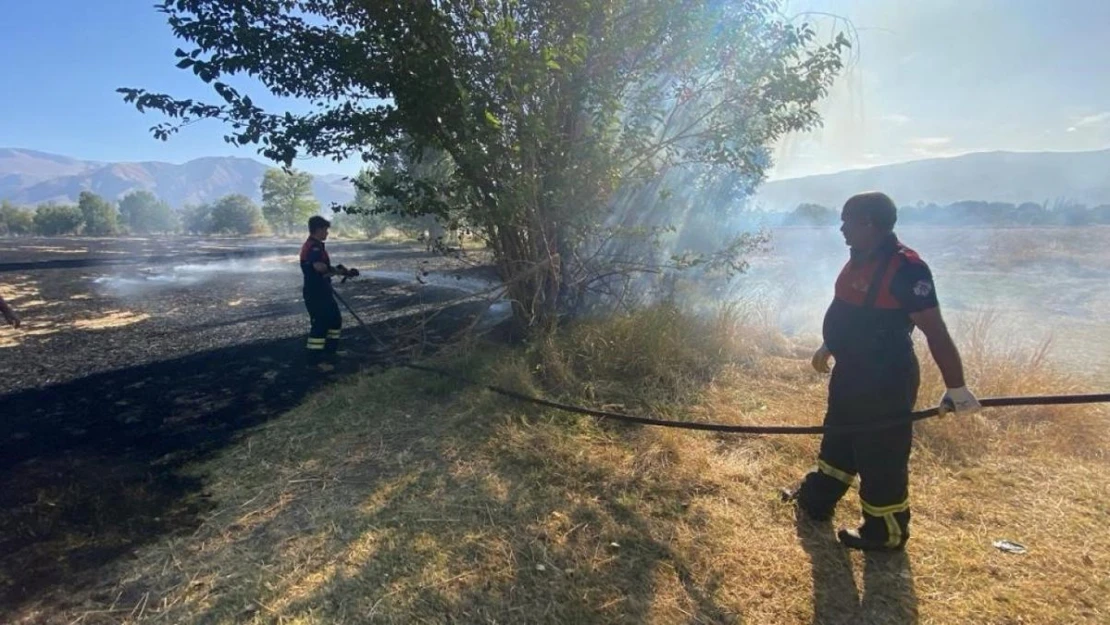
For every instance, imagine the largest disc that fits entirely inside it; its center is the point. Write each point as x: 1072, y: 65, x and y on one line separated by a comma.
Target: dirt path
x: 122, y: 379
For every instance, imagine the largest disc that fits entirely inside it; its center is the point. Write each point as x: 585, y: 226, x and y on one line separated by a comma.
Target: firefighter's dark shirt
x: 313, y: 252
x: 879, y: 334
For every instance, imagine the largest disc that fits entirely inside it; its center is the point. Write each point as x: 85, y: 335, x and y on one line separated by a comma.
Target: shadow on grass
x: 92, y: 468
x: 413, y: 513
x: 888, y: 589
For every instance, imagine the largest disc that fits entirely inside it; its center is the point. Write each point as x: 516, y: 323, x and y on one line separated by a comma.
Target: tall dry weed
x: 656, y: 356
x: 729, y: 367
x: 997, y: 364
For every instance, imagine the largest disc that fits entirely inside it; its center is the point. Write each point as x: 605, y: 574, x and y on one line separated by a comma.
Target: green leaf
x: 582, y: 152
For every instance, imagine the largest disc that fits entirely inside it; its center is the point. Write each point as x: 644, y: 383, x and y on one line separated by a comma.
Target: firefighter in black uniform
x: 323, y: 337
x: 883, y: 292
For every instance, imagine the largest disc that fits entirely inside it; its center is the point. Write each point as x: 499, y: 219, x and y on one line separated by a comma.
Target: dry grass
x: 1010, y: 249
x: 111, y: 319
x: 400, y: 498
x: 393, y: 235
x: 995, y: 367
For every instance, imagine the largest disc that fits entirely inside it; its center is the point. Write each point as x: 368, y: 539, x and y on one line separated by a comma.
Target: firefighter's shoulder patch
x: 309, y: 246
x: 910, y: 256
x: 923, y: 288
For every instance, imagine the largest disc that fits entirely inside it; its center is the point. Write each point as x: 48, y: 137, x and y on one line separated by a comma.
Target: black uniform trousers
x: 864, y: 392
x: 323, y: 336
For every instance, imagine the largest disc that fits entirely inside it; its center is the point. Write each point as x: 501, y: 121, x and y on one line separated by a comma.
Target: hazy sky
x: 928, y: 78
x: 946, y: 77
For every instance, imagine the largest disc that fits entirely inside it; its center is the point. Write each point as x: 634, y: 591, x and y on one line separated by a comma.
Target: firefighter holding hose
x: 884, y: 292
x: 323, y: 336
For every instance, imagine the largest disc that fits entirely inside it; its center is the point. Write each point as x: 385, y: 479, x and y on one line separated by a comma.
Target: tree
x: 430, y: 171
x: 373, y: 212
x: 1101, y: 214
x: 1071, y: 213
x: 552, y: 113
x: 14, y: 220
x: 813, y: 215
x: 197, y: 219
x: 287, y: 200
x: 143, y: 213
x: 1031, y: 214
x: 366, y: 214
x: 100, y: 215
x: 236, y: 214
x: 365, y: 211
x: 57, y: 219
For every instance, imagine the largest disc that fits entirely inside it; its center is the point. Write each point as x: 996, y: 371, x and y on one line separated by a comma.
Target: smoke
x: 456, y: 282
x: 141, y: 281
x: 498, y: 310
x: 835, y: 144
x: 790, y: 284
x: 1035, y: 285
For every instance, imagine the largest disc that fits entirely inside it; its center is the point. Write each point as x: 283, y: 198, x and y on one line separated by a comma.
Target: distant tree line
x: 138, y: 212
x: 287, y: 203
x: 966, y: 213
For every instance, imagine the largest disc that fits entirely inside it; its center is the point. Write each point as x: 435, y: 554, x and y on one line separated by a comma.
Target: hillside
x: 1082, y: 177
x: 30, y: 177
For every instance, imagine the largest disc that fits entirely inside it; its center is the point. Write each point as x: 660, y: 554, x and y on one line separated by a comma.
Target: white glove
x: 820, y: 360
x: 960, y: 401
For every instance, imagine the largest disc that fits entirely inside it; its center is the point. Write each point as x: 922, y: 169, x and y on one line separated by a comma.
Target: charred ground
x: 138, y: 357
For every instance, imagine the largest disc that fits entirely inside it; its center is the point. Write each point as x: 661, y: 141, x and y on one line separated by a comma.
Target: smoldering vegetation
x: 1038, y: 270
x: 91, y: 306
x: 1041, y: 285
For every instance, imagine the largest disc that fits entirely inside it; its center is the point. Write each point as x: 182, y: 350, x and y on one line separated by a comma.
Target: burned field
x: 138, y: 357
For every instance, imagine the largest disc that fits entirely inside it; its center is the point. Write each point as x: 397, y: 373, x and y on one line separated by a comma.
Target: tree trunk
x: 532, y: 277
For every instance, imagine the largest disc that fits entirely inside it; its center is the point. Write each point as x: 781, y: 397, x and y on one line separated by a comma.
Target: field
x: 1039, y: 285
x: 137, y: 357
x: 166, y: 460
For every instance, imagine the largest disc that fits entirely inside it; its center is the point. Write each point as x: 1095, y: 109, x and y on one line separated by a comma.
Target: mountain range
x: 29, y: 177
x: 1015, y: 177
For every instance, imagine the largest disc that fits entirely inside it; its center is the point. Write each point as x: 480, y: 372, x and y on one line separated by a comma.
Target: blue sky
x: 945, y: 77
x: 63, y: 61
x: 932, y: 78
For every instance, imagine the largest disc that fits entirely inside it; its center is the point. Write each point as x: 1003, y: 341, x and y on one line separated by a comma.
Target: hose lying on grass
x: 989, y: 402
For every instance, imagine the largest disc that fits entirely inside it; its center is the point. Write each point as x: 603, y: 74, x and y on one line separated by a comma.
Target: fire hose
x: 988, y: 402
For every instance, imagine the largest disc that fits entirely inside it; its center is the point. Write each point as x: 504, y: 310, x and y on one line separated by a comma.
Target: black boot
x: 819, y: 515
x: 316, y: 361
x: 852, y: 540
